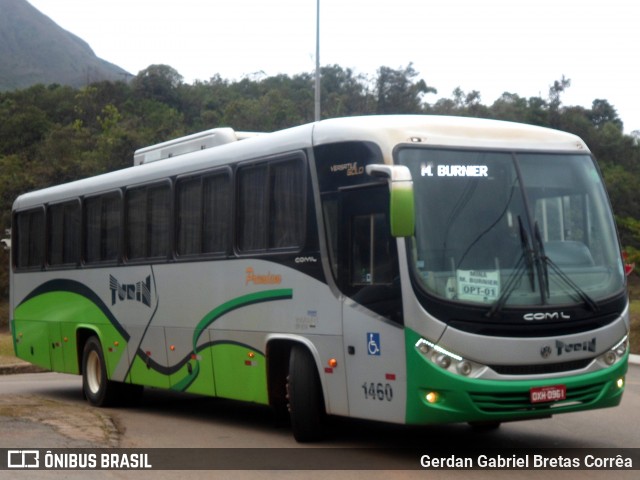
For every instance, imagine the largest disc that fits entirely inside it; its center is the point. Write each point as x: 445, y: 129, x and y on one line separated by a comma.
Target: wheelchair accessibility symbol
x: 373, y: 343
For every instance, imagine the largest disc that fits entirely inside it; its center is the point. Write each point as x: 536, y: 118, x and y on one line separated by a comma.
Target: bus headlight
x: 464, y: 368
x: 448, y: 360
x: 610, y: 357
x: 443, y: 360
x: 622, y: 346
x: 615, y: 353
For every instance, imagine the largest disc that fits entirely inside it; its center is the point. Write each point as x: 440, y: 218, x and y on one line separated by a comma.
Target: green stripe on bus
x: 46, y: 325
x: 183, y: 384
x: 216, y: 313
x: 72, y: 310
x: 239, y: 302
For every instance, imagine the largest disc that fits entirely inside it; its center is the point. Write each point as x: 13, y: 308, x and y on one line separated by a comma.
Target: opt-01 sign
x: 478, y: 285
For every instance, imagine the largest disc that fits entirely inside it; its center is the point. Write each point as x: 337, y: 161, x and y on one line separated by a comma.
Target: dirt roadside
x: 32, y: 420
x: 28, y: 421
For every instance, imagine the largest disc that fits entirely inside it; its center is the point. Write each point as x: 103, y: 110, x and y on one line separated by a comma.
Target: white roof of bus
x: 447, y: 131
x: 386, y: 131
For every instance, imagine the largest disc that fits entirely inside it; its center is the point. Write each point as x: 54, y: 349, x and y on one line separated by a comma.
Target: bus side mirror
x: 401, y: 206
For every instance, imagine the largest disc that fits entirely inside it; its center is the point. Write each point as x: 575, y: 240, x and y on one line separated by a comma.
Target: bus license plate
x: 554, y: 393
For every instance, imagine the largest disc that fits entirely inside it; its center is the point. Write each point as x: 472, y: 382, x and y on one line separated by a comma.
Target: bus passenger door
x: 368, y: 275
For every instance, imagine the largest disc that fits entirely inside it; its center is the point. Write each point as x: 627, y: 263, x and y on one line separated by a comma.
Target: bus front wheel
x: 304, y: 393
x: 98, y: 390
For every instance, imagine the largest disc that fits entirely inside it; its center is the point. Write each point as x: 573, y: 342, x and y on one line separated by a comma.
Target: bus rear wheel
x: 304, y: 393
x: 97, y: 388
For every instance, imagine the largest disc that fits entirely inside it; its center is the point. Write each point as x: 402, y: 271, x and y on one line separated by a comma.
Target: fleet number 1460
x: 377, y: 391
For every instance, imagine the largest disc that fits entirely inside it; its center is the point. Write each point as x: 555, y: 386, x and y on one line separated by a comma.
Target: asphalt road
x: 46, y: 410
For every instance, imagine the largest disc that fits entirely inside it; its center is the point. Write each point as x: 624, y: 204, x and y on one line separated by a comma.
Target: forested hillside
x: 54, y: 134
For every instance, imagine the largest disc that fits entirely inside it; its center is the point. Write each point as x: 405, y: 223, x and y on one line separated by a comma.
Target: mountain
x: 34, y: 49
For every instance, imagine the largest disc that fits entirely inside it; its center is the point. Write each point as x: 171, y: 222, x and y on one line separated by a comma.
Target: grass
x: 6, y: 342
x: 6, y: 347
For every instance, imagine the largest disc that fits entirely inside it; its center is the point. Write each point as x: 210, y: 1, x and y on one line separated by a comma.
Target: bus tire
x: 304, y: 394
x: 96, y: 387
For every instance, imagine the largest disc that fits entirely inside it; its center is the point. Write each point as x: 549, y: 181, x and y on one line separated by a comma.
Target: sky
x: 492, y: 46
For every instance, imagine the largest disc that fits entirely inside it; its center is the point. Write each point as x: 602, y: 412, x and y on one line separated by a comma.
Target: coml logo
x: 138, y: 292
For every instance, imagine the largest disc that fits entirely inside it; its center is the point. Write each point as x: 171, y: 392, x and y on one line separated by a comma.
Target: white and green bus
x: 406, y: 269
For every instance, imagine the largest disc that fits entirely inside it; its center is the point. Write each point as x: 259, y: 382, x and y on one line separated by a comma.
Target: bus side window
x: 286, y: 229
x: 64, y: 222
x: 270, y: 213
x: 216, y: 221
x: 252, y: 211
x: 148, y: 221
x: 203, y: 214
x: 188, y: 216
x: 102, y: 227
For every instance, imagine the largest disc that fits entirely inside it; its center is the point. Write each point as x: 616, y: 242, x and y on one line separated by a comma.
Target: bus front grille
x: 514, y: 402
x: 541, y: 369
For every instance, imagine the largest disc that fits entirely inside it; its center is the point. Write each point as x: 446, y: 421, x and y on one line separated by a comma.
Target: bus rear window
x: 30, y: 239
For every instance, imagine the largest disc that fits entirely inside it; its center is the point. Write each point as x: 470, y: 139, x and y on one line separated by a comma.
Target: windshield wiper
x: 541, y: 264
x: 524, y: 264
x: 547, y: 262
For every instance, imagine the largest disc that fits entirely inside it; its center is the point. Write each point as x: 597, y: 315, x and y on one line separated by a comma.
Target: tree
x: 397, y: 91
x: 22, y: 127
x: 158, y: 82
x: 575, y: 119
x: 511, y: 107
x: 603, y: 112
x: 555, y: 91
x: 345, y: 94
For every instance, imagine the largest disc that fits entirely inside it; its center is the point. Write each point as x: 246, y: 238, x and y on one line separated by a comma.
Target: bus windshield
x: 512, y: 228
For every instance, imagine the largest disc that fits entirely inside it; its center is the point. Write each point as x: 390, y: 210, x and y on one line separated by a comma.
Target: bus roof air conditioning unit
x: 188, y: 144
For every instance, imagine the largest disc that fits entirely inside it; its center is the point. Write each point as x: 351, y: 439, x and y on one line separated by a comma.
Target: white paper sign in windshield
x: 478, y: 285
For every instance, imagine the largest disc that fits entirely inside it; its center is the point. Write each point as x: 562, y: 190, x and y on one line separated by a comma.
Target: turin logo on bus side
x: 138, y: 291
